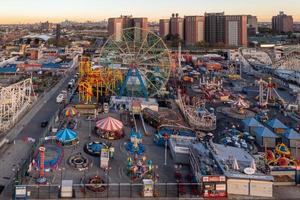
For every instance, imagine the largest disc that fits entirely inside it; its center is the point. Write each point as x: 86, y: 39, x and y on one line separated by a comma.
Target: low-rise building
x: 243, y: 177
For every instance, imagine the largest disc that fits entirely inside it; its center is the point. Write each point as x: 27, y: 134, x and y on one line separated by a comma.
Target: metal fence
x: 117, y: 190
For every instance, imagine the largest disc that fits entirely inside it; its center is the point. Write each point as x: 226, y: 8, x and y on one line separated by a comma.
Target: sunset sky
x: 28, y: 11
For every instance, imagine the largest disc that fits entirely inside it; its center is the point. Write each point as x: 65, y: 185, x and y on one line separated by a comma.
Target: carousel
x: 110, y: 128
x: 67, y: 137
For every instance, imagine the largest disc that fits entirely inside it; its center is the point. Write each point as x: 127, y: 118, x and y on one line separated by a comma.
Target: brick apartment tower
x: 194, y: 29
x: 214, y: 28
x: 164, y: 27
x: 116, y: 26
x: 236, y: 30
x: 177, y: 25
x: 282, y: 23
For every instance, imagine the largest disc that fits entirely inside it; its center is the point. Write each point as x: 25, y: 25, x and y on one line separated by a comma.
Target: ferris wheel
x: 144, y: 59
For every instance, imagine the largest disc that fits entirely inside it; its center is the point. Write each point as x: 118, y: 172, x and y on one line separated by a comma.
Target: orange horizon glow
x: 34, y: 11
x: 32, y: 20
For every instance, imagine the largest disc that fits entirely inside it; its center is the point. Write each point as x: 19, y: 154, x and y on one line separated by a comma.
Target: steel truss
x: 15, y: 99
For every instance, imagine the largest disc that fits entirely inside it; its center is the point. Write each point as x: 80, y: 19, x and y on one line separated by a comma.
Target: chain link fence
x: 116, y: 190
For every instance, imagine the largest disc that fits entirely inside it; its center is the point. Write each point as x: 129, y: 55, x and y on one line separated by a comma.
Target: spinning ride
x: 51, y: 156
x: 79, y: 162
x: 240, y: 105
x: 94, y: 148
x: 140, y: 168
x: 67, y: 137
x: 268, y: 94
x: 135, y: 145
x: 144, y: 59
x: 95, y: 184
x: 110, y: 128
x: 280, y: 157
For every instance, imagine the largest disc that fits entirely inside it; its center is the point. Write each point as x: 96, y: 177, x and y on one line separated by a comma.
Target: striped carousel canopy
x: 71, y: 112
x: 109, y: 124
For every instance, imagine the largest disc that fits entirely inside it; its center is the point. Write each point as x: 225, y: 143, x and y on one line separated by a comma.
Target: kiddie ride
x: 211, y: 88
x: 166, y: 131
x: 135, y: 145
x: 140, y: 168
x: 281, y: 157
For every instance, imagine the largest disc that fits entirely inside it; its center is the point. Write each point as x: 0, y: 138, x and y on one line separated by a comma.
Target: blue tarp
x: 291, y: 134
x: 275, y: 123
x: 66, y: 135
x: 252, y: 122
x: 10, y: 68
x: 50, y: 65
x: 264, y: 132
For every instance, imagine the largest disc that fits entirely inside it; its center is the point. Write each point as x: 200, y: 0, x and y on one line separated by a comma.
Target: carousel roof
x: 264, y: 132
x: 109, y: 124
x: 275, y: 123
x: 66, y: 135
x: 291, y: 134
x: 251, y: 122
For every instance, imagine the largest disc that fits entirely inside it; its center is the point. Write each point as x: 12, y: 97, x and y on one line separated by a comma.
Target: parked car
x: 44, y: 124
x: 62, y: 96
x: 105, y: 108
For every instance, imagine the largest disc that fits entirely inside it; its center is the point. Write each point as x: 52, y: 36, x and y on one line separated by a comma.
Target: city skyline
x: 32, y: 11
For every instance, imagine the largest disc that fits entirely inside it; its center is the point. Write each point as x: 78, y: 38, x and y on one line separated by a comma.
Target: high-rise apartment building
x: 177, y: 25
x: 141, y: 23
x: 252, y: 25
x: 214, y: 28
x: 164, y: 27
x: 282, y: 23
x: 194, y: 29
x: 236, y: 30
x: 116, y: 26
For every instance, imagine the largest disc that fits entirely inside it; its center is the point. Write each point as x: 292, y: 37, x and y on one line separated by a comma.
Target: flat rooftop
x: 224, y: 157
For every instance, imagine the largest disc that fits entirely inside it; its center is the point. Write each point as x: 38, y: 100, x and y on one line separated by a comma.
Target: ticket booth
x: 148, y: 188
x: 214, y: 186
x: 104, y: 159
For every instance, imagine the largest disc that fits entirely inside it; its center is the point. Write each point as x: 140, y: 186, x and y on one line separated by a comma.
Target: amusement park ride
x: 195, y: 112
x: 14, y: 100
x: 142, y: 57
x: 268, y: 94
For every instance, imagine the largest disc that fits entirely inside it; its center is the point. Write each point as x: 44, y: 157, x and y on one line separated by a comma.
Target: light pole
x: 61, y: 173
x: 166, y: 149
x: 90, y: 130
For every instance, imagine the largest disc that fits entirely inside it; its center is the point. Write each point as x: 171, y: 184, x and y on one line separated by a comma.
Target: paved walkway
x: 29, y: 126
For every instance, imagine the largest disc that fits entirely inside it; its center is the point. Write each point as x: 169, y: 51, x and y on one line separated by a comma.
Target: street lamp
x: 166, y: 150
x: 61, y: 173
